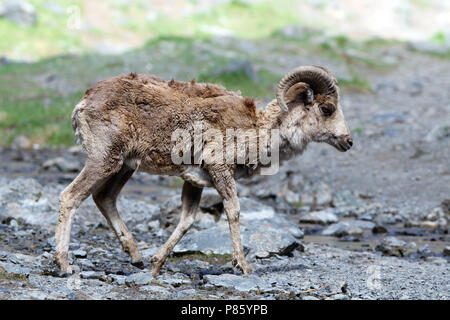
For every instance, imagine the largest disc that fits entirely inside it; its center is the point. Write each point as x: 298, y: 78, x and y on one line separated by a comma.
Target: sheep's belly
x: 152, y: 167
x: 197, y: 177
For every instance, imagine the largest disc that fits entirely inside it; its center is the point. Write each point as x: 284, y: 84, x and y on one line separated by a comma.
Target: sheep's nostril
x: 350, y: 142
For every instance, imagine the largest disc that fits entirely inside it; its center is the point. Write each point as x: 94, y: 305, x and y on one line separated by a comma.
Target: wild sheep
x: 126, y: 123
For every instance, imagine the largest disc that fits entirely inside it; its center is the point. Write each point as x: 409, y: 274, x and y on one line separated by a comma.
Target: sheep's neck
x: 292, y: 140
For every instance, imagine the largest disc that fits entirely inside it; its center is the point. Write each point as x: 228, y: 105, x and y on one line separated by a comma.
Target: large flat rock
x: 263, y: 232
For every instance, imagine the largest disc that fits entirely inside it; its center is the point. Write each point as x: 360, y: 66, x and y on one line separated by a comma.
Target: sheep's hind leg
x: 105, y: 199
x: 91, y: 177
x: 190, y: 198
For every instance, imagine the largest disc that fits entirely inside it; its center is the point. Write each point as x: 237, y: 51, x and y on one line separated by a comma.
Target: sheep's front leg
x: 190, y: 198
x: 226, y: 186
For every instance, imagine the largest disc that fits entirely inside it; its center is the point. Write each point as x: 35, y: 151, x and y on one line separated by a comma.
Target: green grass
x: 48, y: 37
x: 45, y: 120
x: 52, y: 35
x: 356, y: 82
x: 36, y: 99
x: 367, y: 53
x: 33, y: 104
x: 298, y: 204
x: 240, y: 81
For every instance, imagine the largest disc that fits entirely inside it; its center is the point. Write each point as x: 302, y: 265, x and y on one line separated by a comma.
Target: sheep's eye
x: 327, y: 109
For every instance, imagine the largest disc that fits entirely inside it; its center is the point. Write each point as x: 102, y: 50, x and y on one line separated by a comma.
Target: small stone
x: 154, y: 289
x: 348, y: 228
x: 21, y: 12
x: 291, y: 197
x: 174, y: 280
x: 21, y: 142
x: 391, y: 246
x: 412, y: 223
x: 379, y: 229
x: 118, y: 279
x: 153, y: 225
x: 438, y: 133
x: 424, y: 251
x: 87, y: 264
x: 436, y: 260
x: 298, y: 233
x: 91, y: 274
x: 307, y: 199
x: 323, y: 195
x: 310, y: 298
x: 62, y: 164
x: 141, y: 228
x: 80, y: 254
x: 340, y: 296
x: 46, y: 256
x: 319, y: 217
x: 435, y: 214
x: 446, y: 251
x: 14, y: 225
x: 140, y: 278
x: 186, y: 293
x: 386, y: 218
x: 16, y: 269
x: 429, y: 224
x: 239, y: 283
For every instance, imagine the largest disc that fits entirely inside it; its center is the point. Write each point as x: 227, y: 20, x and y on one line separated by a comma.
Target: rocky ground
x: 371, y: 223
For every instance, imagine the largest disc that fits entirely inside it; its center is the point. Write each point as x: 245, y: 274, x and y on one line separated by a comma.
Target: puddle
x: 434, y: 239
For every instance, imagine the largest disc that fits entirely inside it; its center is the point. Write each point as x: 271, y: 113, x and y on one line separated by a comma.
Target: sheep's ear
x: 299, y: 93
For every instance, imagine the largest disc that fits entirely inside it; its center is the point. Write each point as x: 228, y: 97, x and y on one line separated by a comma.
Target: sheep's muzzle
x: 342, y: 143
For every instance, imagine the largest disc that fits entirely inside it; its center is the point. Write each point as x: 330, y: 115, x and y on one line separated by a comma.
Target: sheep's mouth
x: 340, y: 144
x: 342, y: 147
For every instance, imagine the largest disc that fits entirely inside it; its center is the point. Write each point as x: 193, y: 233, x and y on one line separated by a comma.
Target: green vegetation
x: 137, y: 21
x: 264, y: 86
x: 50, y: 36
x: 439, y: 38
x: 43, y: 119
x: 37, y: 99
x: 298, y: 204
x: 355, y: 82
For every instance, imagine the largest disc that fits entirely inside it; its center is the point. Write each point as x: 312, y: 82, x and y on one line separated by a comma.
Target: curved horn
x: 318, y: 78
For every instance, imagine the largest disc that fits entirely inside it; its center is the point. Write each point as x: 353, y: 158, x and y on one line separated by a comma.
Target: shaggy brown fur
x: 125, y: 123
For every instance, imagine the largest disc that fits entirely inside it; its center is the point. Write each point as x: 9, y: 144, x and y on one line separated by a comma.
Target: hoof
x: 138, y: 264
x: 64, y: 275
x: 65, y: 272
x: 155, y: 272
x: 244, y: 266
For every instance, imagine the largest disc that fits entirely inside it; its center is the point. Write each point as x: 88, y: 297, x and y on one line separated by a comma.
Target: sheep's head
x: 309, y: 97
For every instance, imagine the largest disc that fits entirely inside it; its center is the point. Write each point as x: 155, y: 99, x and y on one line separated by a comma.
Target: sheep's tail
x: 78, y: 122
